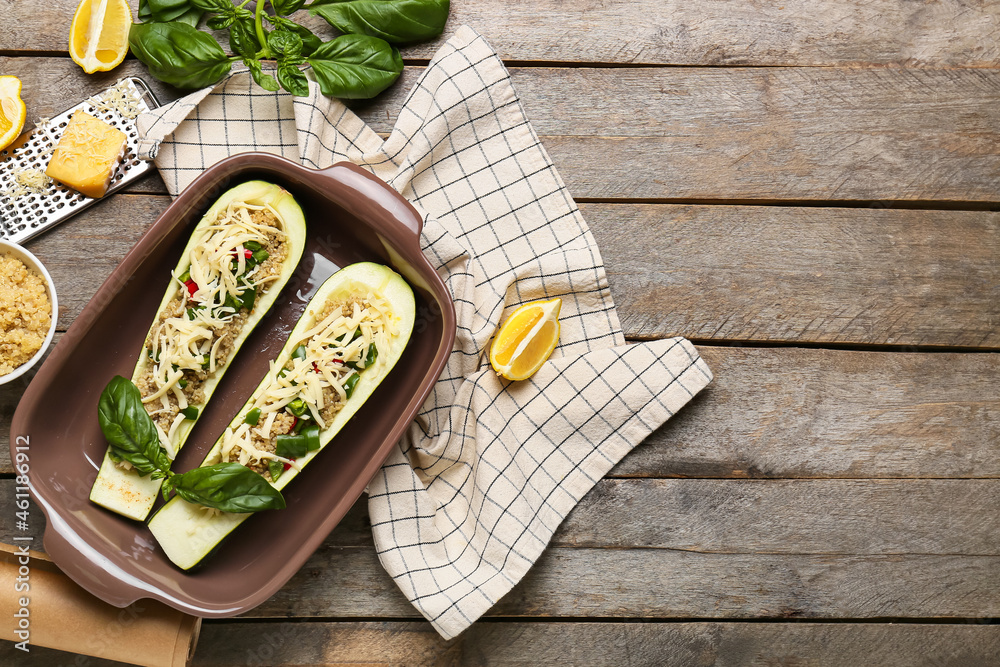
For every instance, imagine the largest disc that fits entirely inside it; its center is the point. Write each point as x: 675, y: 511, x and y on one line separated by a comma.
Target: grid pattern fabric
x: 473, y: 493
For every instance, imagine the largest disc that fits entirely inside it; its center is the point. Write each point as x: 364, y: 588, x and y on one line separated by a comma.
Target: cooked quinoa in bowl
x: 28, y: 310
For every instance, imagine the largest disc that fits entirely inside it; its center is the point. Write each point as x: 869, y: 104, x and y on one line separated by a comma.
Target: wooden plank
x: 509, y: 644
x: 774, y: 413
x: 830, y: 275
x: 800, y: 517
x: 801, y: 413
x: 711, y: 549
x: 708, y: 32
x: 801, y: 134
x: 661, y: 583
x: 513, y: 644
x: 725, y: 273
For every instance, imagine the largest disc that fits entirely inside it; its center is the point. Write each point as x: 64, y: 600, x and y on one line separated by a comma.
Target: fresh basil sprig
x: 132, y: 435
x: 359, y: 64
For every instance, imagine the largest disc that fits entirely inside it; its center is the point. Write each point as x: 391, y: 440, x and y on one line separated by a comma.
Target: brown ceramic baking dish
x: 350, y: 216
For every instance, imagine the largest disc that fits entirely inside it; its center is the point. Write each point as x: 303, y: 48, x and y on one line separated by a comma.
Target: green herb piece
x: 182, y: 383
x: 243, y: 38
x: 355, y: 66
x: 299, y: 352
x: 286, y: 7
x: 129, y: 429
x: 190, y: 412
x: 253, y: 246
x: 169, y: 10
x: 291, y: 77
x: 260, y: 255
x: 186, y: 276
x: 179, y: 54
x: 297, y: 407
x: 351, y: 383
x: 311, y: 433
x: 253, y: 417
x: 284, y: 42
x: 292, y: 445
x: 229, y: 487
x: 275, y: 468
x: 396, y: 21
x: 370, y: 358
x: 247, y: 298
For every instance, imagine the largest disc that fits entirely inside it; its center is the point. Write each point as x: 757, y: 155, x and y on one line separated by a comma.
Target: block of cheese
x: 86, y: 155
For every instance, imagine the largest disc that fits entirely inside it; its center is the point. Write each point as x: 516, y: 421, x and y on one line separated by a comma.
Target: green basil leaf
x: 284, y: 42
x: 291, y: 77
x: 229, y: 487
x: 243, y: 38
x: 192, y: 17
x: 219, y: 6
x: 129, y: 429
x: 265, y: 81
x: 286, y: 7
x: 355, y: 66
x: 162, y: 11
x: 178, y: 54
x: 310, y: 42
x: 395, y: 21
x: 145, y: 14
x: 220, y: 22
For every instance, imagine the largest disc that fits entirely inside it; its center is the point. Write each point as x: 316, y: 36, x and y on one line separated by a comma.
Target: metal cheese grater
x: 26, y: 214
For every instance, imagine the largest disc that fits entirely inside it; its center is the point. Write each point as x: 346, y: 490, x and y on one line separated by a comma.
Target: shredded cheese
x: 193, y: 339
x: 331, y: 352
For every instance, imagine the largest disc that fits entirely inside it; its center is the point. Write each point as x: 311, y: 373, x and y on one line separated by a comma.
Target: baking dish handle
x: 369, y: 196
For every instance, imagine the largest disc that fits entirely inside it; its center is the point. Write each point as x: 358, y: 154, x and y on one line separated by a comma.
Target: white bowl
x: 32, y: 263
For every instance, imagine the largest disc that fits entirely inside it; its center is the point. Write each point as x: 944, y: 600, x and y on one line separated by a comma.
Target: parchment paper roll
x: 63, y: 616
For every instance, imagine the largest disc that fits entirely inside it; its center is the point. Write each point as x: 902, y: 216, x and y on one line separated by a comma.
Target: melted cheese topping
x: 191, y: 337
x: 320, y: 376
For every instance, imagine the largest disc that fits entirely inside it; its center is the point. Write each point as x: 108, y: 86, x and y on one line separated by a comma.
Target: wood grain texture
x: 799, y: 413
x: 726, y: 273
x: 801, y: 517
x: 349, y: 582
x: 803, y: 274
x: 510, y: 644
x: 708, y: 32
x: 513, y: 644
x: 813, y: 134
x: 794, y: 413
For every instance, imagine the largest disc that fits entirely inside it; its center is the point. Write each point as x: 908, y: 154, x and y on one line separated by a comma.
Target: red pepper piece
x: 246, y: 253
x: 288, y: 465
x: 295, y: 420
x: 315, y: 367
x: 192, y: 287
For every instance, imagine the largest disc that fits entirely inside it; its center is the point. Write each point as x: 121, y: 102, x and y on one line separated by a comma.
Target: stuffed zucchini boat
x: 352, y: 333
x: 240, y: 255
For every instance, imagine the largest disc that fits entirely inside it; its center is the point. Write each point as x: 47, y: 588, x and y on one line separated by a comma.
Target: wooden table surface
x: 807, y: 190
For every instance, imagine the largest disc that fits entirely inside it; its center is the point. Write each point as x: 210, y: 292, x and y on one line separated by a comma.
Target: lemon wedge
x: 12, y: 110
x: 526, y: 339
x: 98, y: 38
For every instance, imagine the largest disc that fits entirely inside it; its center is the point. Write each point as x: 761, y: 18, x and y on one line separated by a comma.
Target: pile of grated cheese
x: 190, y: 339
x: 318, y: 378
x: 121, y: 98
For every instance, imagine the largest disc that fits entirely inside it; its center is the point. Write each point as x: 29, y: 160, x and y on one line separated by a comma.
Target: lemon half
x: 98, y: 38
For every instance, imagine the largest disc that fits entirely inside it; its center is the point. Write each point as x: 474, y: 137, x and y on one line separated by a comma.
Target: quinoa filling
x: 234, y: 261
x: 303, y: 397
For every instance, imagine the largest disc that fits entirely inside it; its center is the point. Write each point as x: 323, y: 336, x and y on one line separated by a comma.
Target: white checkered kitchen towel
x: 489, y: 469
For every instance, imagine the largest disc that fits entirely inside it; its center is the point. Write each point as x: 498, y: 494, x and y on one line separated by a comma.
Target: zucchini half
x: 124, y: 491
x: 185, y: 531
